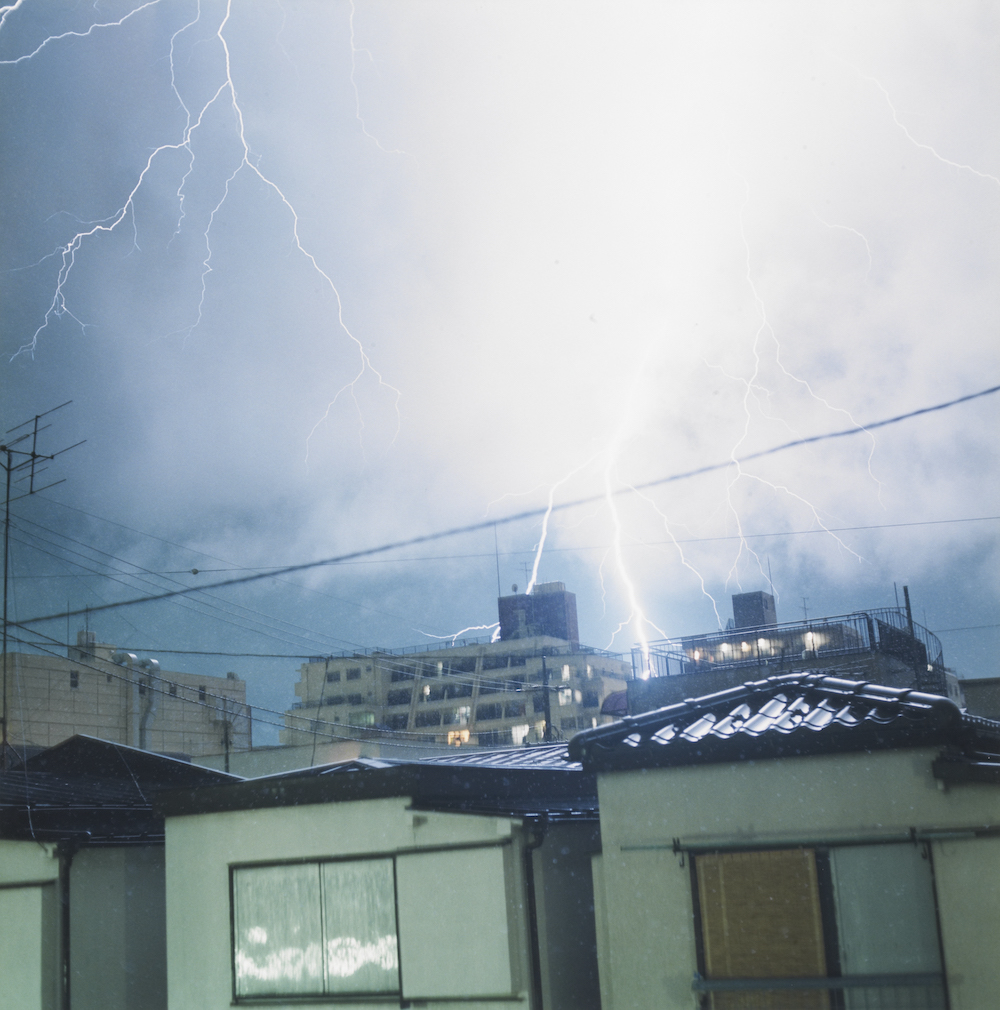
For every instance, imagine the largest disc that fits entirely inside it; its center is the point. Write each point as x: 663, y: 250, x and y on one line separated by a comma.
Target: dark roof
x: 788, y: 716
x: 517, y: 782
x: 93, y: 791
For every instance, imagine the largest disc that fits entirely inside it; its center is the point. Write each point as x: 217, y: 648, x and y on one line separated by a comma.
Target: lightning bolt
x: 917, y: 143
x: 494, y: 627
x: 224, y: 93
x: 753, y: 389
x: 357, y: 95
x: 853, y: 231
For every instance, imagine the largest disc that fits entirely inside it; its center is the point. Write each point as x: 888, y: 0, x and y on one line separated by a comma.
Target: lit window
x: 518, y: 733
x: 565, y: 696
x: 456, y: 737
x: 361, y: 719
x: 578, y: 697
x: 565, y: 672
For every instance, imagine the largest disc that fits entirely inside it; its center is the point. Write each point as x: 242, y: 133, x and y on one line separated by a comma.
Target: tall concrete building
x: 114, y: 695
x: 487, y: 693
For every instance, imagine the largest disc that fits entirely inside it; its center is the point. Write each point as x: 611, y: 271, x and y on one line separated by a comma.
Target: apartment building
x: 102, y: 691
x: 487, y: 693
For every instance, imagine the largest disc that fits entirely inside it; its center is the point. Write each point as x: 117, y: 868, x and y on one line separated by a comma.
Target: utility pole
x: 26, y: 467
x: 546, y: 703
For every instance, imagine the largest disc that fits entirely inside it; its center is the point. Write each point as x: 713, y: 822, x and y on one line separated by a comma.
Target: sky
x: 318, y: 277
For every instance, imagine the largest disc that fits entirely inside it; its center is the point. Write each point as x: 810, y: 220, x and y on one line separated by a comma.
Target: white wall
x: 200, y: 850
x: 649, y: 957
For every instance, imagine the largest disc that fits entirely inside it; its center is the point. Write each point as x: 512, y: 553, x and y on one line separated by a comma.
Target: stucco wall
x: 650, y: 953
x: 201, y: 848
x: 29, y: 926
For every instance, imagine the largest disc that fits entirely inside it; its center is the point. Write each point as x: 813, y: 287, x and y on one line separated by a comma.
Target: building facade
x: 488, y: 693
x: 114, y: 695
x: 801, y: 841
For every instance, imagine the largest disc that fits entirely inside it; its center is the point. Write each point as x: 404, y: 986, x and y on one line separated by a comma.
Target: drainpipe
x: 152, y: 697
x: 128, y: 660
x: 529, y: 880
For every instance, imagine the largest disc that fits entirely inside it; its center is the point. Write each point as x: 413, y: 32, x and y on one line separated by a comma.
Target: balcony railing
x: 884, y: 630
x: 851, y: 992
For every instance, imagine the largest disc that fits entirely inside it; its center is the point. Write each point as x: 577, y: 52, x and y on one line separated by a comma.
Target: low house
x: 82, y: 899
x: 801, y: 841
x: 455, y: 881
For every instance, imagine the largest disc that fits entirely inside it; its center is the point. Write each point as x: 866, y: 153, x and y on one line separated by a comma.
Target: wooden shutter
x: 760, y: 918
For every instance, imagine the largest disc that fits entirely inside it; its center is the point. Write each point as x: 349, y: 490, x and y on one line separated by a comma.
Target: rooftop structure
x: 882, y: 645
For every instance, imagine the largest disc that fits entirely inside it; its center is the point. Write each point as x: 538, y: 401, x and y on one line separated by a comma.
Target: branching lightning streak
x: 916, y: 143
x: 853, y: 231
x: 459, y: 634
x: 751, y: 385
x: 69, y: 250
x: 357, y: 95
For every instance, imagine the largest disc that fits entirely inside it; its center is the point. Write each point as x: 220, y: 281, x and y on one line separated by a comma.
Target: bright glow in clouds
x: 777, y: 215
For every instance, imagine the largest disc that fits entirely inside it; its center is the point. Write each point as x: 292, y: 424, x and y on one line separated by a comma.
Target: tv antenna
x: 20, y: 465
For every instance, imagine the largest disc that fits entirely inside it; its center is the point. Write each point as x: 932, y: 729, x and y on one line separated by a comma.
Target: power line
x: 555, y: 550
x: 516, y: 517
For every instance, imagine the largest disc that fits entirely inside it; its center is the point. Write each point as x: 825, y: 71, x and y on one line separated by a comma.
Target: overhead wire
x: 519, y: 516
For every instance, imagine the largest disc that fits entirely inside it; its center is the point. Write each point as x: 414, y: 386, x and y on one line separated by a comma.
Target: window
x: 591, y: 699
x: 173, y: 690
x: 513, y: 709
x: 459, y: 691
x: 397, y: 721
x: 355, y: 699
x: 565, y: 696
x: 331, y: 928
x: 865, y: 910
x: 565, y: 672
x: 425, y: 718
x: 494, y: 711
x: 397, y: 675
x: 335, y: 699
x: 361, y: 719
x: 202, y: 693
x: 333, y: 676
x: 354, y: 673
x: 74, y: 678
x: 399, y: 697
x: 315, y: 928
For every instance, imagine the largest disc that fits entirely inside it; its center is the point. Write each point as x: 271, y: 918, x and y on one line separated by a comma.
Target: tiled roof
x: 93, y: 791
x: 792, y: 715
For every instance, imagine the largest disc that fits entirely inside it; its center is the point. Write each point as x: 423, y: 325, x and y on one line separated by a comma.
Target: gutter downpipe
x: 128, y: 660
x: 152, y: 667
x: 539, y: 827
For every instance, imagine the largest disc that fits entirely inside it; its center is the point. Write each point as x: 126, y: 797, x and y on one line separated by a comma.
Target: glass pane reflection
x: 360, y: 926
x: 278, y: 930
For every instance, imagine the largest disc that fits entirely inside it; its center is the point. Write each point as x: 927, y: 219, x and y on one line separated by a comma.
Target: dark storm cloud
x: 622, y: 243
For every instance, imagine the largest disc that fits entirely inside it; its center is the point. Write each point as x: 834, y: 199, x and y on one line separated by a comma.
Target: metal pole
x: 6, y: 542
x: 547, y: 703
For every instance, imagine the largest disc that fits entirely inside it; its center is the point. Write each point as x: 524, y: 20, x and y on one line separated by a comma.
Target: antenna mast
x: 23, y: 463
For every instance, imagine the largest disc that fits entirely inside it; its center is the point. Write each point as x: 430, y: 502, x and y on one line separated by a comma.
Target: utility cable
x: 516, y: 517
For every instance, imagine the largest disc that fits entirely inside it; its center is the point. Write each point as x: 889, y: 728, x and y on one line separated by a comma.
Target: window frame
x: 827, y: 901
x: 360, y: 997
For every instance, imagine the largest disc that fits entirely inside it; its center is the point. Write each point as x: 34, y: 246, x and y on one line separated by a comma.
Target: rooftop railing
x: 883, y: 630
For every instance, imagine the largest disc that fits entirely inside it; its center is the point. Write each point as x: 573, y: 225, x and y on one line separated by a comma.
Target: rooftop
x: 527, y: 782
x: 794, y: 715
